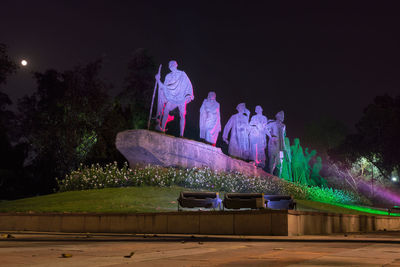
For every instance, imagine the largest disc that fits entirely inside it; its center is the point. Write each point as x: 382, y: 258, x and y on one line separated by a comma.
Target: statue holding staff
x: 175, y: 92
x: 210, y: 119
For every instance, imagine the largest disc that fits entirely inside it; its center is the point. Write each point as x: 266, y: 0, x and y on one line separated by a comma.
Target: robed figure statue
x: 238, y: 126
x: 299, y: 165
x: 257, y: 138
x: 285, y: 168
x: 276, y: 142
x: 175, y: 92
x: 210, y: 119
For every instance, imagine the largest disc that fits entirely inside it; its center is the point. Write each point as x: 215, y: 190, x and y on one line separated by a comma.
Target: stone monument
x: 257, y: 137
x: 286, y: 172
x: 307, y: 157
x: 210, y: 119
x: 175, y: 92
x: 299, y: 166
x: 315, y: 178
x: 276, y: 142
x: 143, y: 147
x: 238, y: 126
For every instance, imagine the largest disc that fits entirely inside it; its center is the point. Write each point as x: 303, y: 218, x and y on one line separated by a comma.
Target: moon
x: 24, y: 62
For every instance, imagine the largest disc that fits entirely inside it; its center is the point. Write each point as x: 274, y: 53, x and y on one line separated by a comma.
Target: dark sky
x: 308, y: 58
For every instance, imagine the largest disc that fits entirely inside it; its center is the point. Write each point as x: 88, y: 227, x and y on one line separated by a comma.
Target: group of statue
x: 247, y: 138
x: 300, y: 167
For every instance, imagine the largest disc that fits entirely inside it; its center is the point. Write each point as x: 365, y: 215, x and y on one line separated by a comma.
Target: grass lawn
x: 127, y: 199
x: 140, y: 199
x: 340, y: 208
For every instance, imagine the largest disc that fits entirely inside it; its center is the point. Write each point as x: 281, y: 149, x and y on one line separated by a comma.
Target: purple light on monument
x: 380, y: 192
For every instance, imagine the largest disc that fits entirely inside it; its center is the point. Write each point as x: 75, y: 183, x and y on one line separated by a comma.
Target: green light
x: 365, y: 209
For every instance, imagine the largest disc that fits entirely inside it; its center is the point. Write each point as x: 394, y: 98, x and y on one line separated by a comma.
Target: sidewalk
x: 46, y: 249
x: 377, y: 237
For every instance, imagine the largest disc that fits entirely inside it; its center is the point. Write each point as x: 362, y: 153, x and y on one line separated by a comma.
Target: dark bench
x: 209, y: 200
x: 244, y: 200
x: 394, y: 209
x: 280, y: 202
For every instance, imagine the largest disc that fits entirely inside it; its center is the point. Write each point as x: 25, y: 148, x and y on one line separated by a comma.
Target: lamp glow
x: 24, y: 62
x: 394, y: 179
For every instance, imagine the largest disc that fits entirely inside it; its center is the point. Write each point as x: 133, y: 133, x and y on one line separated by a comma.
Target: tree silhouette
x: 377, y: 137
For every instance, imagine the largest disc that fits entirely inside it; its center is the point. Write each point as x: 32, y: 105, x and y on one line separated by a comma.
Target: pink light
x: 380, y: 192
x: 170, y: 118
x: 183, y: 116
x: 257, y: 161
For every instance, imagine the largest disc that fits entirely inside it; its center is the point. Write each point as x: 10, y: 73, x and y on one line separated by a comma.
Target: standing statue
x: 238, y: 125
x: 315, y: 178
x: 210, y: 119
x: 307, y: 157
x: 286, y: 172
x: 257, y: 138
x: 298, y: 163
x: 276, y: 142
x: 175, y: 92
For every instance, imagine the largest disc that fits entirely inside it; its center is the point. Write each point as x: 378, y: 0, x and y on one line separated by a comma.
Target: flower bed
x: 110, y: 175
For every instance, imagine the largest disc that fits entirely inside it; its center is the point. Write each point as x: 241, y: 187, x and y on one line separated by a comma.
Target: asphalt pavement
x: 88, y: 249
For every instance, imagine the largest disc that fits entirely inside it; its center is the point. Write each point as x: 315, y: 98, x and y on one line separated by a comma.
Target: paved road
x: 46, y: 249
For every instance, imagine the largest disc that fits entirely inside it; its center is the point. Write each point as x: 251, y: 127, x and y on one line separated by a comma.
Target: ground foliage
x: 110, y: 175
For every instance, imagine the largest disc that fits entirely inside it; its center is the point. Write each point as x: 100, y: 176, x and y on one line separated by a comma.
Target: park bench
x: 394, y: 209
x: 209, y: 200
x: 280, y: 202
x: 244, y: 200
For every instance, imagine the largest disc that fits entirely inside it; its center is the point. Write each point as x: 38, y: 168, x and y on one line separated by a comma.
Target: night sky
x: 310, y: 59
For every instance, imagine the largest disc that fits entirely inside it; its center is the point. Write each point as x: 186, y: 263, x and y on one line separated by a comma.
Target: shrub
x: 110, y: 175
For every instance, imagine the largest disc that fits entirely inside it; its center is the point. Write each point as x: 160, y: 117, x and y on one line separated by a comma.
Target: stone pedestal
x: 147, y: 147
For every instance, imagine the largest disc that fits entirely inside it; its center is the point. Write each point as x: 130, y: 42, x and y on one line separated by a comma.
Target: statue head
x: 172, y: 65
x: 241, y: 107
x: 212, y: 96
x: 313, y: 153
x: 280, y: 116
x: 319, y: 160
x: 259, y: 110
x: 296, y: 142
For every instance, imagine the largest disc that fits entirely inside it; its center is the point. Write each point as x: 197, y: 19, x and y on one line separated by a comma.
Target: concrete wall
x: 260, y: 222
x: 312, y: 223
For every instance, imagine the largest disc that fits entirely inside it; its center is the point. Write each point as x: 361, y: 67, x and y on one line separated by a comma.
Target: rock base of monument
x: 143, y: 147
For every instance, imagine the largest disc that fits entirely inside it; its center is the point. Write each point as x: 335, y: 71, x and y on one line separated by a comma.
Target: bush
x: 96, y: 176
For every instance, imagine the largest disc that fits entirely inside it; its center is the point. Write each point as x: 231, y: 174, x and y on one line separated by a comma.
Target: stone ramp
x: 142, y: 147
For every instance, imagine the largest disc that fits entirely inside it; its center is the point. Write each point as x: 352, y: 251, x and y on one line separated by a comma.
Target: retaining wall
x: 261, y: 222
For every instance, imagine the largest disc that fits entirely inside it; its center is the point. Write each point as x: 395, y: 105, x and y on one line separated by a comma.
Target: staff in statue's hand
x: 154, y: 93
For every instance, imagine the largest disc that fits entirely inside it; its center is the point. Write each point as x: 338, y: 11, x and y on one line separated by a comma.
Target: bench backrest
x: 199, y: 195
x: 199, y: 199
x: 244, y: 200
